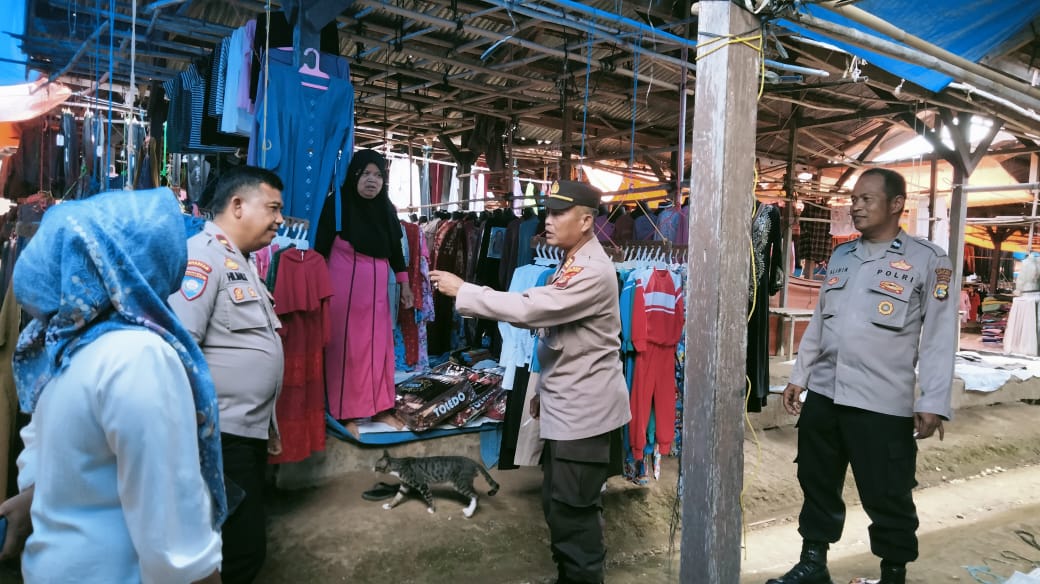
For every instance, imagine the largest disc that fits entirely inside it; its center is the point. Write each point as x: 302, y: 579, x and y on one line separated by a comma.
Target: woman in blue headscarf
x: 122, y: 455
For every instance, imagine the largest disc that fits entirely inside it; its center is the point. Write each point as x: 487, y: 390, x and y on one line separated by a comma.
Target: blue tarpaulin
x: 12, y: 59
x: 971, y: 29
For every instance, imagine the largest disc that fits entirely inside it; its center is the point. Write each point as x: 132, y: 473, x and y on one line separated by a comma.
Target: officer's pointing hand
x: 791, y: 399
x: 926, y: 424
x: 446, y: 283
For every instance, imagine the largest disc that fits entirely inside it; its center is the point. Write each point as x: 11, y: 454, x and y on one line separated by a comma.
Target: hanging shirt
x: 306, y: 137
x: 657, y: 313
x: 518, y: 343
x: 669, y: 222
x: 644, y: 228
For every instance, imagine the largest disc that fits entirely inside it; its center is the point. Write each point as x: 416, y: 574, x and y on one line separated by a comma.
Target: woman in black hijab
x: 360, y: 236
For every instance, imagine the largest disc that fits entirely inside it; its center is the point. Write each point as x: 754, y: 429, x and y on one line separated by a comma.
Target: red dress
x: 301, y: 295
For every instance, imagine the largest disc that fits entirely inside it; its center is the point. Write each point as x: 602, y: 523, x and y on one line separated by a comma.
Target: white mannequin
x: 1029, y: 277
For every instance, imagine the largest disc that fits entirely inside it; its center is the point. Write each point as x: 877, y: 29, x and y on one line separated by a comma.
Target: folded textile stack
x: 994, y: 319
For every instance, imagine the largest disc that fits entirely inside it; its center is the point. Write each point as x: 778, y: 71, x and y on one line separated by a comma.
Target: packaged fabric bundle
x: 429, y: 399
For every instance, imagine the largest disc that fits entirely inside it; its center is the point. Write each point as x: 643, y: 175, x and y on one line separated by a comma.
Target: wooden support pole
x: 958, y: 216
x: 789, y: 181
x: 932, y: 192
x: 722, y: 177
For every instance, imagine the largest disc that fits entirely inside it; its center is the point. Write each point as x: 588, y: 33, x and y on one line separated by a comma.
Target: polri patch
x: 885, y: 308
x: 941, y: 292
x: 901, y: 265
x: 193, y: 284
x: 566, y: 275
x: 200, y: 265
x: 230, y: 264
x: 891, y: 287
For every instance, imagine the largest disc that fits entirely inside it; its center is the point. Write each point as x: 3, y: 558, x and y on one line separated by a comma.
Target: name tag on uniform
x: 237, y: 277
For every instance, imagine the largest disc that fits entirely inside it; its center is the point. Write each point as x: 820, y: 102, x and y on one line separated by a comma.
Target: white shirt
x: 112, y: 450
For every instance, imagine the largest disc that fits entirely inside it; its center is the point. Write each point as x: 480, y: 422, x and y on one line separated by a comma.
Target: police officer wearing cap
x: 581, y: 394
x: 884, y: 308
x: 227, y: 309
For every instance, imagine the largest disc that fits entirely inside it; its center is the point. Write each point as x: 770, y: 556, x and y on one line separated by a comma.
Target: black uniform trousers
x: 245, y: 532
x: 883, y: 454
x: 573, y: 475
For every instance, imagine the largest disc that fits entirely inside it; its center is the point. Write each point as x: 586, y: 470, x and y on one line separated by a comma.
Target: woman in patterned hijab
x: 97, y: 267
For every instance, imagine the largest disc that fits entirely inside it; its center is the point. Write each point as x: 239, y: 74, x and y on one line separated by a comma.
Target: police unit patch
x: 193, y: 284
x: 891, y: 287
x: 942, y: 283
x: 901, y: 265
x: 885, y: 308
x: 230, y: 264
x: 833, y: 281
x: 200, y: 265
x: 566, y: 275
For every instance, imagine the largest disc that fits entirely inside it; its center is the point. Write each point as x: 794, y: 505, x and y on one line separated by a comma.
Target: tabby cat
x: 419, y: 473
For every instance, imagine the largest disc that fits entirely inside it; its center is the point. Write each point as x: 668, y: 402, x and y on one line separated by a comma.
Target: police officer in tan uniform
x: 226, y: 307
x: 581, y: 394
x: 884, y: 308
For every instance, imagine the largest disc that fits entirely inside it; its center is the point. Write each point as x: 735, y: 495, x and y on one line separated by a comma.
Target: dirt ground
x: 976, y: 488
x: 329, y: 534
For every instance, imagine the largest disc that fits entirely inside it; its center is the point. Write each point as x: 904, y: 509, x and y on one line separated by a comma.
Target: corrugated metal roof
x: 428, y: 68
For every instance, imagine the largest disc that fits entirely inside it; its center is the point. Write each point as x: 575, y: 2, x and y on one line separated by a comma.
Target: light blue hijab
x: 103, y: 264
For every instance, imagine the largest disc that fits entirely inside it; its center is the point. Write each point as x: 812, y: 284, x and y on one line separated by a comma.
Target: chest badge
x: 891, y: 287
x: 901, y: 265
x: 230, y: 264
x: 885, y: 308
x: 252, y: 293
x: 834, y: 280
x: 239, y: 295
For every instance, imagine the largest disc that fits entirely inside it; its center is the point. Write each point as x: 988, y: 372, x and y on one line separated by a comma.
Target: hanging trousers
x: 245, y: 531
x: 573, y: 475
x: 883, y: 454
x: 653, y: 384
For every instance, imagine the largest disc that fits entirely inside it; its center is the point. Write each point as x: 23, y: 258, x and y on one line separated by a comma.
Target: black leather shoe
x: 380, y: 491
x: 810, y: 569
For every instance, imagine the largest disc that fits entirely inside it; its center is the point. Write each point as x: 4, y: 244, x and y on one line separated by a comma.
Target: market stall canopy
x: 30, y: 100
x: 973, y: 29
x: 978, y: 231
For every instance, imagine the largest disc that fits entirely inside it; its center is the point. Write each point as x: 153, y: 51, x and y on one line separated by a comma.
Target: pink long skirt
x: 359, y: 359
